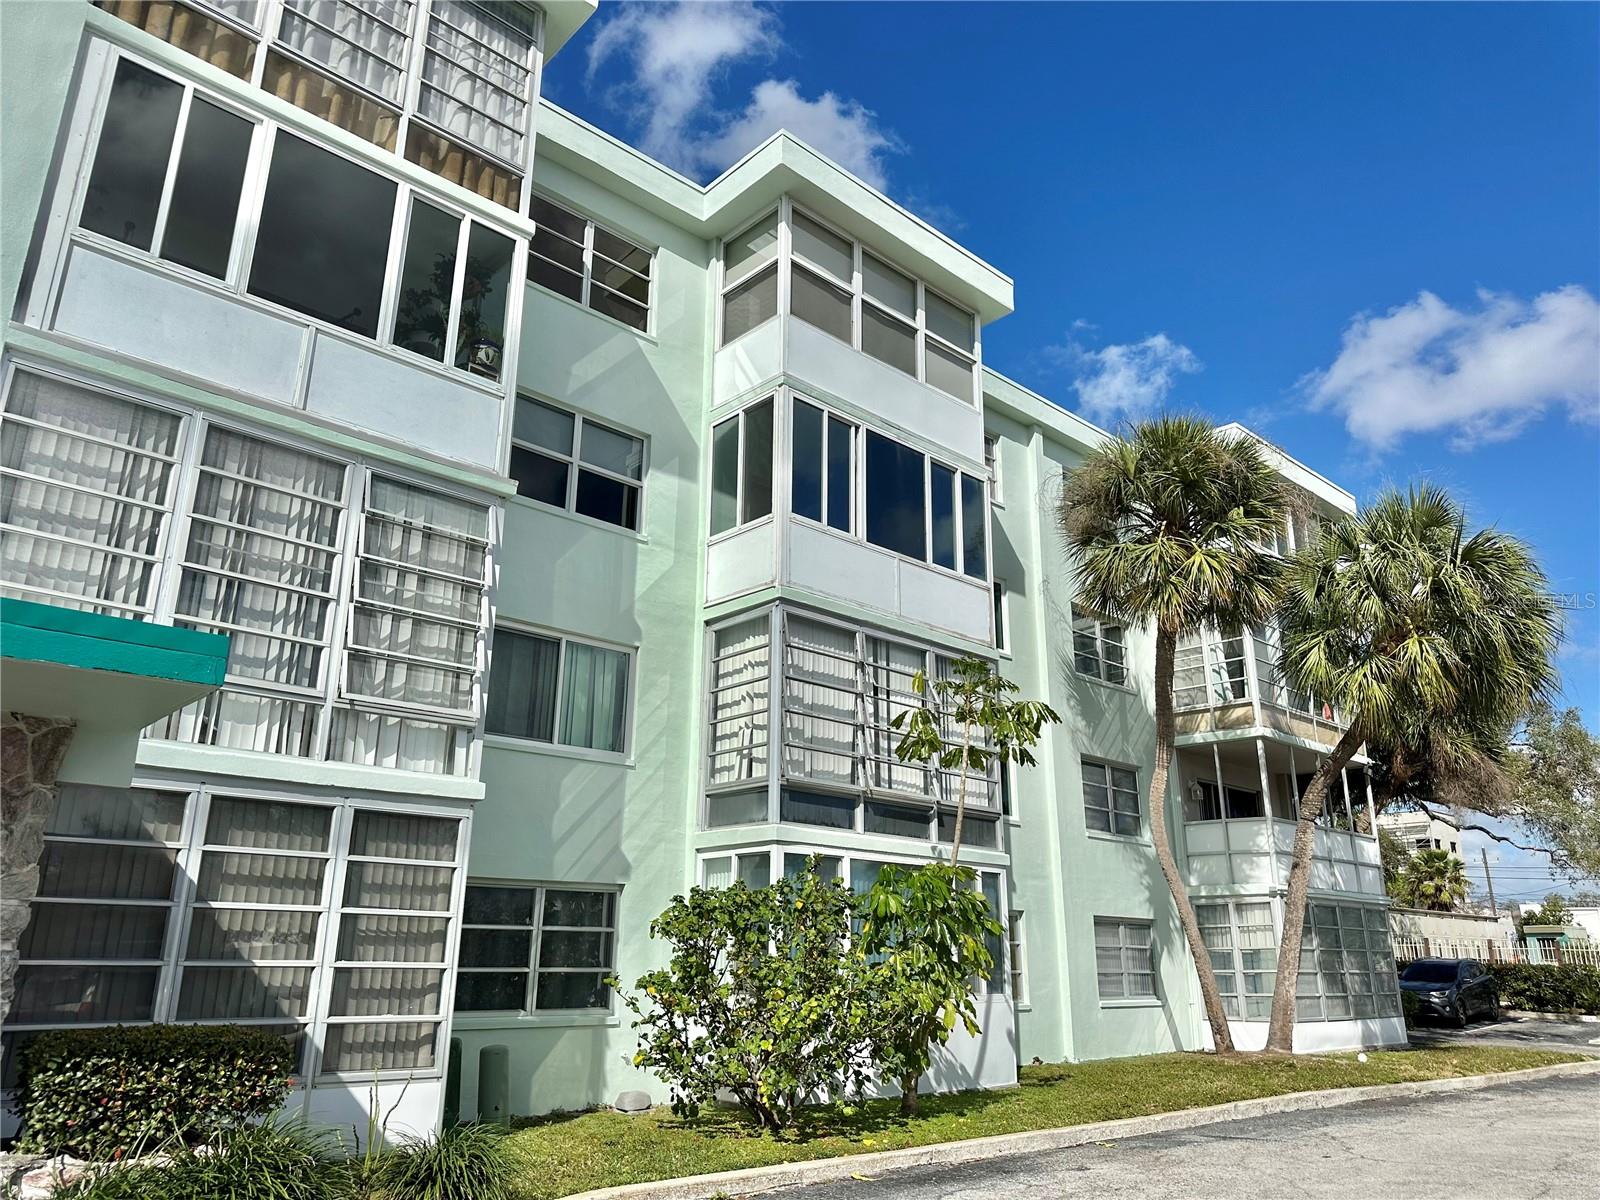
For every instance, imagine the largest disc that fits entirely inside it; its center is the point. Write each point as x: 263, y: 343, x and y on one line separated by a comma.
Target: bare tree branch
x: 1451, y: 819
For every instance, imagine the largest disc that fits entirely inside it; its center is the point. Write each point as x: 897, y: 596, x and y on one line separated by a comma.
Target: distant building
x: 1419, y: 831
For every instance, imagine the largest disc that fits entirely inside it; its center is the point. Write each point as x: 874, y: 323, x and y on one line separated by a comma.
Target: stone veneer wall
x: 31, y: 750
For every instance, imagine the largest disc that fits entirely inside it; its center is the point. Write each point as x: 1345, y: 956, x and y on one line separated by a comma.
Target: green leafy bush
x: 467, y: 1162
x: 276, y: 1160
x: 1410, y: 1009
x: 764, y: 997
x: 93, y: 1092
x: 1535, y: 987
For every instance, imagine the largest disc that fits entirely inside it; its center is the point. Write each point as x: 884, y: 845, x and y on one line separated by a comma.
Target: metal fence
x: 1486, y: 950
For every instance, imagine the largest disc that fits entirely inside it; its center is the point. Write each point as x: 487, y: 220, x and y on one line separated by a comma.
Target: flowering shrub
x: 97, y: 1092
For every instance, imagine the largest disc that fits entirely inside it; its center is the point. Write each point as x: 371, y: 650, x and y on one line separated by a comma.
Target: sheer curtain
x: 522, y: 686
x: 821, y: 692
x: 88, y: 483
x: 891, y: 667
x: 594, y: 707
x: 739, y: 718
x: 476, y: 77
x: 363, y: 43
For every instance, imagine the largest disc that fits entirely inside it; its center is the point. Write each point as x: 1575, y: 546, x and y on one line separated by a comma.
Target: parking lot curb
x: 1561, y: 1018
x: 756, y: 1180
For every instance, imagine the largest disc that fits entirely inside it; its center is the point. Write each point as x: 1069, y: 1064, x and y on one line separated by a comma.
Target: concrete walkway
x: 1519, y: 1141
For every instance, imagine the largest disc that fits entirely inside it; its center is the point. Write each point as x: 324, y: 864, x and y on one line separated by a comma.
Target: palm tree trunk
x: 961, y: 794
x: 1280, y: 1032
x: 1216, y: 1016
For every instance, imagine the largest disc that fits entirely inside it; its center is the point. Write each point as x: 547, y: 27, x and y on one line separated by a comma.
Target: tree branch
x: 1450, y: 819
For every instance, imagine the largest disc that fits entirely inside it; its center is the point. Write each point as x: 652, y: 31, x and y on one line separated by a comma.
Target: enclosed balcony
x: 1232, y: 679
x: 811, y: 743
x: 1240, y: 802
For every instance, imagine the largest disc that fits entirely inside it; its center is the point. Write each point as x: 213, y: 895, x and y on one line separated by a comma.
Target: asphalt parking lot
x: 1582, y: 1036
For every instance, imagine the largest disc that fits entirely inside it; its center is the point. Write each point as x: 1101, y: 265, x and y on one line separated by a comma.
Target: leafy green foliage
x: 927, y: 930
x: 1394, y: 855
x: 1555, y: 788
x: 764, y: 996
x: 1410, y: 1009
x: 1553, y: 911
x: 91, y: 1092
x: 466, y: 1162
x: 1424, y: 638
x: 1434, y: 879
x: 1548, y: 987
x: 995, y: 727
x: 1167, y: 525
x: 285, y: 1160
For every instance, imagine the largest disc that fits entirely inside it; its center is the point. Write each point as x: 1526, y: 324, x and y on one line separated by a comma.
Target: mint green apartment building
x: 546, y: 534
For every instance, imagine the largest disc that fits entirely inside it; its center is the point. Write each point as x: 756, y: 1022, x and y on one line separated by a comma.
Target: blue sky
x: 1370, y: 231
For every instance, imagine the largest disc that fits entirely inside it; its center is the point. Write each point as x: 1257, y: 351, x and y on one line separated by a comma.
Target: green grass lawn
x: 573, y: 1153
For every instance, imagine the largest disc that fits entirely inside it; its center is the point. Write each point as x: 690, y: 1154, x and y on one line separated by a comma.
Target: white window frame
x: 563, y: 640
x: 171, y: 509
x: 317, y: 1019
x: 1002, y: 617
x: 1087, y: 623
x: 991, y: 460
x: 588, y: 281
x: 1112, y: 791
x: 1236, y: 998
x: 533, y: 970
x: 94, y: 98
x: 855, y: 290
x: 830, y: 415
x: 265, y: 33
x: 1016, y: 950
x: 754, y: 267
x: 1378, y: 964
x: 330, y: 696
x: 960, y: 519
x: 576, y: 462
x: 778, y: 444
x: 1126, y: 997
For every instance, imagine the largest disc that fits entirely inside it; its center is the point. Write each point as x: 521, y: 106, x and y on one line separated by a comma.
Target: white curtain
x: 891, y: 668
x: 401, y: 743
x: 363, y: 43
x: 386, y: 991
x: 821, y: 697
x: 387, y: 1046
x: 476, y: 76
x: 739, y: 720
x: 594, y: 697
x: 108, y: 448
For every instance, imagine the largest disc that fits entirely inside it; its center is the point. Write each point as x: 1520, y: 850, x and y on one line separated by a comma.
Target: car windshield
x: 1430, y: 972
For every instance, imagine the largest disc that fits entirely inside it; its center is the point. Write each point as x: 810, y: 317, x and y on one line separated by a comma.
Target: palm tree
x: 1167, y: 526
x: 1435, y: 879
x: 1417, y: 634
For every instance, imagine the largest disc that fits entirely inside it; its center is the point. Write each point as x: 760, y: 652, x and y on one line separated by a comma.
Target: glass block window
x: 536, y: 949
x: 1123, y: 966
x: 89, y: 482
x: 1111, y: 798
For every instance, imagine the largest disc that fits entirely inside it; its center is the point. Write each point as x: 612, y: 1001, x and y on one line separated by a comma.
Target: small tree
x: 1394, y: 855
x: 764, y: 997
x: 995, y: 728
x: 926, y: 931
x: 1435, y: 879
x: 1553, y: 911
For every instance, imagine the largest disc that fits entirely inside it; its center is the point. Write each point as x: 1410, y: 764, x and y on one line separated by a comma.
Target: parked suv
x: 1452, y: 989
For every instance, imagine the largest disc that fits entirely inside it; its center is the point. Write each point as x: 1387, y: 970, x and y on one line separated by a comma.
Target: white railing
x: 1490, y: 950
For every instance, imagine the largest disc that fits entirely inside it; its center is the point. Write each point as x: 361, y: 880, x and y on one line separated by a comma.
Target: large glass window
x: 323, y: 234
x: 1122, y: 962
x: 323, y: 242
x: 823, y: 471
x: 741, y: 468
x: 551, y: 689
x: 1346, y: 964
x: 572, y: 462
x: 146, y: 118
x: 261, y: 937
x: 588, y: 263
x: 923, y: 509
x: 536, y: 949
x: 467, y: 96
x: 1110, y: 798
x: 1209, y: 669
x: 750, y: 278
x: 1243, y: 945
x: 89, y: 483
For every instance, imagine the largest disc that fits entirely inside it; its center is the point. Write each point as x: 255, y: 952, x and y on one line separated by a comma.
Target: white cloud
x: 1127, y: 380
x: 1481, y: 375
x: 677, y: 52
x: 840, y: 129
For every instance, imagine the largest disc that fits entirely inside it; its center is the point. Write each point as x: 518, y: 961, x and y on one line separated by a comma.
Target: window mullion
x: 534, y: 935
x: 174, y: 154
x: 351, y: 543
x: 588, y: 259
x: 457, y: 287
x: 577, y: 451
